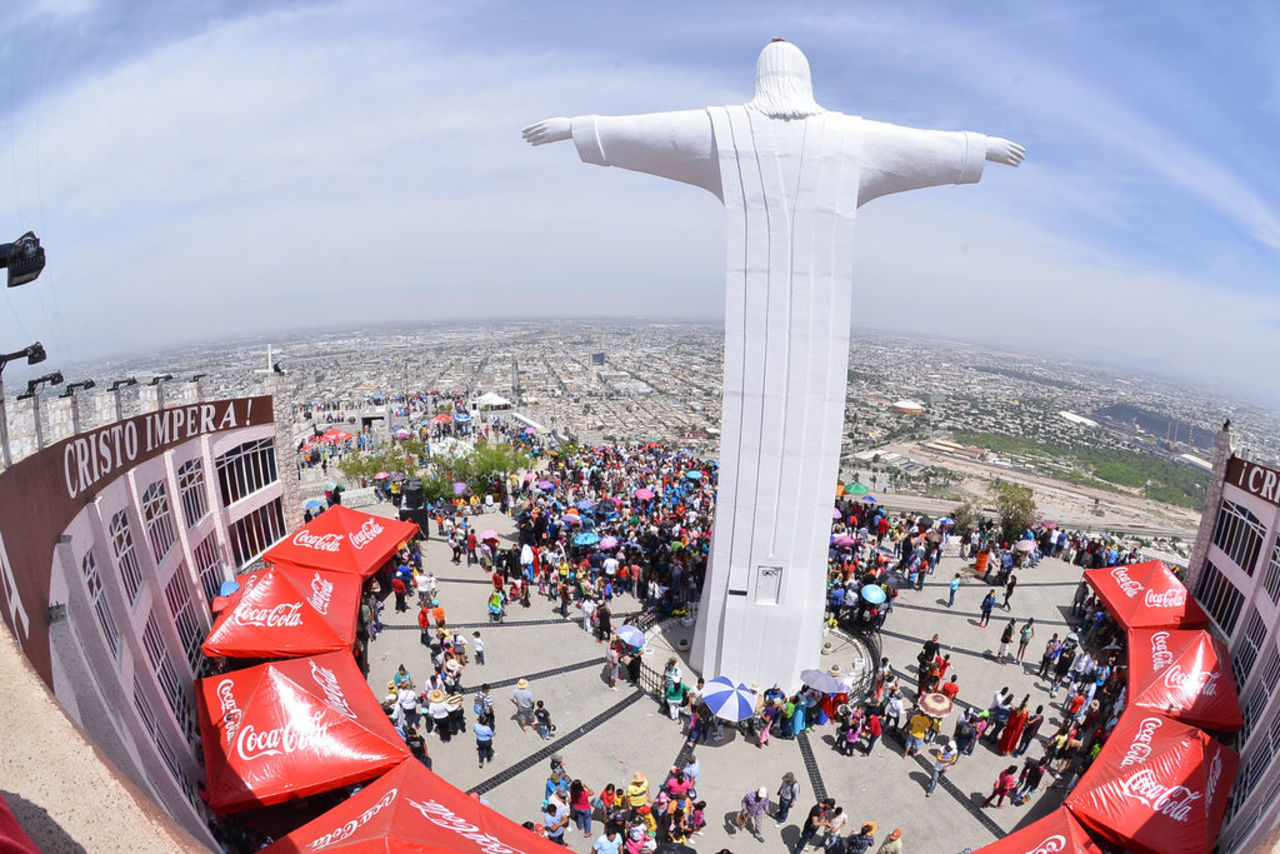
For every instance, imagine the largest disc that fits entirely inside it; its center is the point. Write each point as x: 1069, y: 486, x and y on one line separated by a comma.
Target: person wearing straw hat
x: 522, y: 699
x: 438, y: 712
x: 637, y: 794
x: 892, y: 845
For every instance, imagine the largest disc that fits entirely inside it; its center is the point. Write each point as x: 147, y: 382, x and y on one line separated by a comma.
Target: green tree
x: 1017, y: 508
x: 966, y: 516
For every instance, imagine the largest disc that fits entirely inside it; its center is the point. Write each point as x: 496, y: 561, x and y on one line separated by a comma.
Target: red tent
x: 1186, y: 675
x: 290, y: 729
x: 285, y: 611
x: 1157, y: 786
x: 1146, y: 596
x: 343, y: 540
x: 410, y: 809
x: 1057, y: 833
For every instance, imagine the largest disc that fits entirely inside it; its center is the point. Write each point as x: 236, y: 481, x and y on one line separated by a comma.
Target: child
x: 699, y: 817
x: 478, y: 646
x: 542, y: 721
x: 460, y: 648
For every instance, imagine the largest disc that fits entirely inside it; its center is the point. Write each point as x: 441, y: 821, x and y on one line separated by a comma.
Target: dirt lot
x: 1072, y: 506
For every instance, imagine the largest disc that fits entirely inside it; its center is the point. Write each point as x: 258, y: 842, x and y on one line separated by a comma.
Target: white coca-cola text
x: 1191, y: 682
x: 231, y: 713
x: 286, y: 615
x: 1160, y: 655
x: 1174, y: 598
x: 1052, y: 845
x: 333, y: 695
x: 321, y: 594
x: 1140, y: 748
x: 339, y: 834
x: 319, y: 542
x: 439, y: 814
x: 367, y: 534
x: 1128, y: 586
x: 290, y: 738
x: 1172, y: 801
x: 1211, y: 780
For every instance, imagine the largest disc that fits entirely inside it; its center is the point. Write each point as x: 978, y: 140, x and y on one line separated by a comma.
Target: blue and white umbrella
x: 631, y: 636
x: 228, y: 587
x: 314, y: 504
x: 874, y: 594
x: 729, y: 700
x: 586, y: 538
x: 585, y: 504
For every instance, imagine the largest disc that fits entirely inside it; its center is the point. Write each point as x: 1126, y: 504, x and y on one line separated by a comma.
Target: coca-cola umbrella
x: 345, y: 540
x: 1184, y: 674
x: 285, y: 611
x: 1157, y: 787
x: 1146, y: 596
x: 410, y: 809
x: 1057, y: 833
x: 290, y: 729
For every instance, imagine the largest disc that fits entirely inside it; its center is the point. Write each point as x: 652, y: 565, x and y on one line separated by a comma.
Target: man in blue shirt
x: 555, y: 817
x: 484, y: 740
x: 955, y: 585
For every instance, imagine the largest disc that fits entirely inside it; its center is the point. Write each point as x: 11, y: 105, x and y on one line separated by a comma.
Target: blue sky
x: 202, y: 169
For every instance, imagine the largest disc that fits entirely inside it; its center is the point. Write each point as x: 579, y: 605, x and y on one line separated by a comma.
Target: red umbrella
x: 1157, y: 786
x: 285, y: 611
x: 344, y: 540
x: 1057, y: 833
x: 290, y: 729
x: 333, y: 434
x: 1146, y: 596
x: 410, y: 809
x: 1186, y: 675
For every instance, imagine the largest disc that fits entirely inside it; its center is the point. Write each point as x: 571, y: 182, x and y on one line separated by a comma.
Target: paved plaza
x: 605, y: 736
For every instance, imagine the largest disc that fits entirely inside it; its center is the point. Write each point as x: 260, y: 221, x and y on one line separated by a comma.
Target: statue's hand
x: 548, y: 130
x: 1000, y: 150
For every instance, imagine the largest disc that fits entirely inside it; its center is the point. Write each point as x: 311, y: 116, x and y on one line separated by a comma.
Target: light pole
x: 159, y: 382
x: 34, y: 355
x: 33, y: 386
x: 24, y: 257
x: 116, y: 389
x: 195, y: 381
x: 70, y: 392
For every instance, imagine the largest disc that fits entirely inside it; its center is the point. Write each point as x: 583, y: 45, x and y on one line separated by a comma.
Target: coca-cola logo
x: 319, y: 542
x: 333, y: 695
x: 286, y: 615
x: 1193, y: 681
x: 340, y: 834
x: 292, y: 737
x: 1175, y: 598
x: 1052, y: 845
x: 1128, y: 586
x: 321, y: 594
x: 1211, y: 779
x: 231, y: 714
x: 367, y: 534
x: 1161, y: 657
x: 1172, y: 801
x: 440, y: 815
x: 1140, y: 747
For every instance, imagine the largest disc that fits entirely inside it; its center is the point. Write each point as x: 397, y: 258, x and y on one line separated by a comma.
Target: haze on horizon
x: 202, y: 171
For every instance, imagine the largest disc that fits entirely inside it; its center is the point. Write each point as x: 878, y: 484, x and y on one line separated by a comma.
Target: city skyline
x: 226, y: 169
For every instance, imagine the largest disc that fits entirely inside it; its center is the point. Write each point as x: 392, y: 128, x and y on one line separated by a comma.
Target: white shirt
x: 478, y: 645
x: 407, y: 699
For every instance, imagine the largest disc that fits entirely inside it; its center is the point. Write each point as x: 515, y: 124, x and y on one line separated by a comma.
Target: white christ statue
x: 791, y: 176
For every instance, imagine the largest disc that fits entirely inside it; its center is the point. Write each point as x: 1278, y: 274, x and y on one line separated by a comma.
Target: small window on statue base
x: 768, y: 585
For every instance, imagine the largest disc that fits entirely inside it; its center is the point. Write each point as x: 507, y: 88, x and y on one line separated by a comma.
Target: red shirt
x: 950, y: 689
x: 873, y: 725
x: 397, y: 585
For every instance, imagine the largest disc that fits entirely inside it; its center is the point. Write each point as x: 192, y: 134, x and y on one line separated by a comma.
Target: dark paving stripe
x: 556, y: 746
x: 811, y: 766
x: 976, y: 614
x: 965, y: 801
x: 440, y: 580
x: 542, y: 674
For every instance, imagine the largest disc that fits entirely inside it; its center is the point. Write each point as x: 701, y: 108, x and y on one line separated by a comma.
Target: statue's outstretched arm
x: 678, y: 145
x: 896, y: 158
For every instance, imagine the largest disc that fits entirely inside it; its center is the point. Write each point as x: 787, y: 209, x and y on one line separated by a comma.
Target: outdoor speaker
x: 411, y: 494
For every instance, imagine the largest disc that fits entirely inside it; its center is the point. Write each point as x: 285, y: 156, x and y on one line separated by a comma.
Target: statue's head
x: 783, y: 87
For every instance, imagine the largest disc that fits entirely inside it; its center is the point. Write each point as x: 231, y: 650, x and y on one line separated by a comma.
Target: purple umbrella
x: 835, y: 513
x: 546, y: 485
x: 842, y: 542
x: 459, y: 488
x: 609, y: 543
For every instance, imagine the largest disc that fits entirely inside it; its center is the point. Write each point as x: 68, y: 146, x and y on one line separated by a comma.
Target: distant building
x: 1078, y: 419
x: 908, y: 407
x: 1234, y: 572
x: 597, y: 358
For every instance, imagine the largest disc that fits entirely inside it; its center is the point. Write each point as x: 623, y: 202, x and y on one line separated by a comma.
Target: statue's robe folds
x: 791, y: 189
